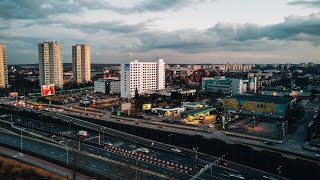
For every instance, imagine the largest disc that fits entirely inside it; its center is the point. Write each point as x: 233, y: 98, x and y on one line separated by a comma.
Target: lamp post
x: 169, y: 135
x: 67, y: 152
x: 10, y: 118
x: 279, y: 171
x: 195, y: 158
x: 137, y: 168
x: 21, y: 140
x: 40, y: 120
x: 69, y: 128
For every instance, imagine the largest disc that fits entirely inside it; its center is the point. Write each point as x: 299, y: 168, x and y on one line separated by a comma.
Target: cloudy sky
x: 180, y: 31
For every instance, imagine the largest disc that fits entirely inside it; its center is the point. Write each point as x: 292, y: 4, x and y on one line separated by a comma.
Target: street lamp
x: 21, y: 140
x: 40, y: 120
x: 69, y: 128
x: 169, y: 135
x: 137, y: 168
x: 10, y: 117
x: 279, y: 171
x: 67, y: 152
x: 195, y: 158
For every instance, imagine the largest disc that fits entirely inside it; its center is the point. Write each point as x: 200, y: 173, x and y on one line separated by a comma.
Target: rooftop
x: 270, y: 99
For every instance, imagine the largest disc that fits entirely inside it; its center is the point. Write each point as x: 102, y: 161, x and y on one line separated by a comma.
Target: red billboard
x: 47, y: 90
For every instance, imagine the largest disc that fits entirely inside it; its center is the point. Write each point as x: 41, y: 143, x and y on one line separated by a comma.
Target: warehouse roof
x: 270, y: 99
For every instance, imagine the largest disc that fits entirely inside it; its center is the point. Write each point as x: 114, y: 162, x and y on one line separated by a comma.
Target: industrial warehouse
x: 264, y: 106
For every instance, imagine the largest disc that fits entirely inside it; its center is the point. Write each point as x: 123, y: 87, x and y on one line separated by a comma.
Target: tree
x: 137, y: 101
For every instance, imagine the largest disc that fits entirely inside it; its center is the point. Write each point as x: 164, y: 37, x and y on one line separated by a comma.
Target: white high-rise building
x: 81, y: 67
x: 50, y: 64
x: 142, y: 76
x: 3, y: 67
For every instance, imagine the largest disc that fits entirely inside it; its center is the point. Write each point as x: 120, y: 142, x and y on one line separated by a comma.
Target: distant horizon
x: 178, y: 63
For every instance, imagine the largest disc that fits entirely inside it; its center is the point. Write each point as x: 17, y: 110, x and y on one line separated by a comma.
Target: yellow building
x: 3, y: 66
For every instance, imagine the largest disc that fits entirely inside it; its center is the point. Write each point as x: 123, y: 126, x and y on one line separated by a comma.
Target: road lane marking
x: 93, y: 165
x: 52, y: 152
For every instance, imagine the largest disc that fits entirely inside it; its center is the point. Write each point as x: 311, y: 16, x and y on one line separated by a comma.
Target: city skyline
x: 180, y: 31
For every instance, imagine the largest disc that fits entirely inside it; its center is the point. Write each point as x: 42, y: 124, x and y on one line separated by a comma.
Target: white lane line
x: 52, y: 152
x: 44, y: 150
x: 81, y: 161
x: 61, y: 155
x: 93, y: 165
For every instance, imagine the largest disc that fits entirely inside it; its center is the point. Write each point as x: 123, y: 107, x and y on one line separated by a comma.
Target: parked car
x: 210, y: 126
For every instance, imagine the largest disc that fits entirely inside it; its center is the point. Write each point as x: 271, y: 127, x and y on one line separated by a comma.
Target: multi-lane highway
x: 85, y: 161
x: 122, y: 154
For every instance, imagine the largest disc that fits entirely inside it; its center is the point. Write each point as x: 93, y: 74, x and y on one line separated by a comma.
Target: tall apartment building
x: 81, y: 64
x: 142, y: 76
x: 3, y: 67
x: 50, y: 63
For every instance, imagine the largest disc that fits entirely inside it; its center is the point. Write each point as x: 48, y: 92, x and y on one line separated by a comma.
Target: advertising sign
x: 146, y: 107
x: 230, y: 103
x: 127, y: 66
x: 47, y: 90
x: 260, y: 106
x: 125, y: 106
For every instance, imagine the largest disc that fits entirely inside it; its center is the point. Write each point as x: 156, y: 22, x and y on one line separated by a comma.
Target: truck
x: 82, y: 133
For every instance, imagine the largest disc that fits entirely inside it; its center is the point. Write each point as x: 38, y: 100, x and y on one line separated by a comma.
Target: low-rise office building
x: 107, y: 86
x: 229, y: 86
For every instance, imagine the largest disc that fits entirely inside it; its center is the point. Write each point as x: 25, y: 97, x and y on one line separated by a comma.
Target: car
x: 223, y: 163
x: 176, y: 150
x: 160, y: 116
x: 239, y: 176
x: 107, y: 143
x: 184, y: 120
x: 317, y: 155
x: 144, y: 150
x: 20, y: 154
x: 210, y: 125
x: 269, y: 143
x: 60, y: 141
x: 269, y: 177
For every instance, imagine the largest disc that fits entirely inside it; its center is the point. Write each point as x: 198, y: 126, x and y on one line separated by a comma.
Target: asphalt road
x: 87, y: 162
x: 219, y: 172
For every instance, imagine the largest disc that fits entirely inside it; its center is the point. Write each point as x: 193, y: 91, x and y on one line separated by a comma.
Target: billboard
x: 260, y: 106
x: 125, y: 106
x: 127, y: 66
x: 146, y: 107
x: 230, y: 103
x: 47, y: 90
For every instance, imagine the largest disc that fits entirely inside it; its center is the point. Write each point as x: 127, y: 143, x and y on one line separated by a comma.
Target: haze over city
x: 180, y: 31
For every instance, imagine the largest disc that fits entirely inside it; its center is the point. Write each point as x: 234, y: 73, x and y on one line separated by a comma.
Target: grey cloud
x: 238, y: 37
x: 312, y: 4
x: 35, y: 9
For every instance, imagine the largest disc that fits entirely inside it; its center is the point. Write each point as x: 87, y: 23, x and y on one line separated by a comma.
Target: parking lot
x: 260, y: 128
